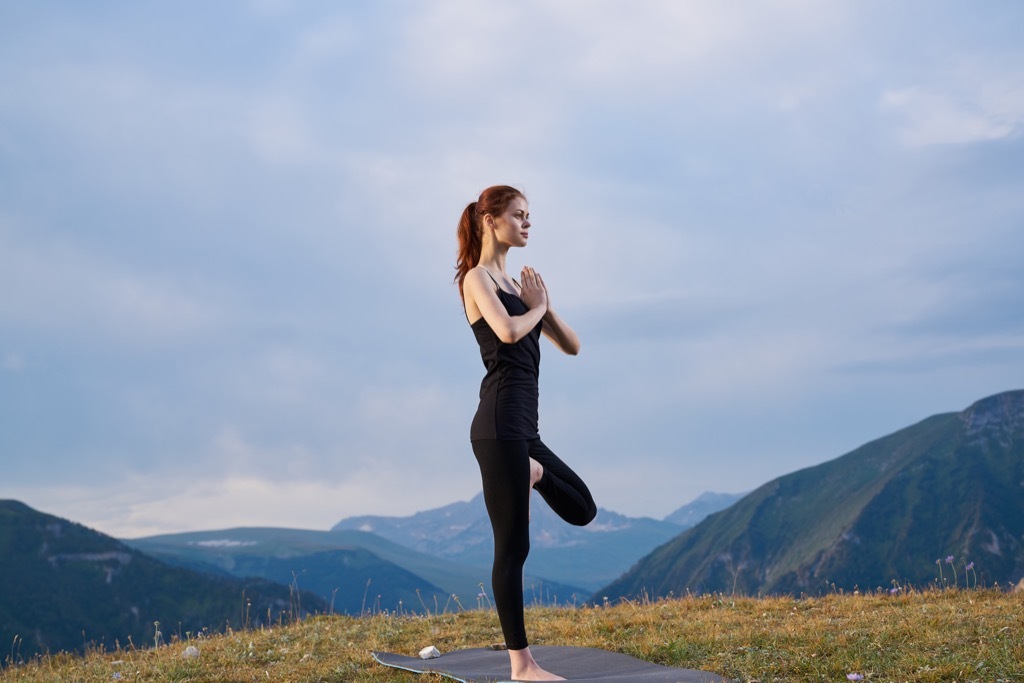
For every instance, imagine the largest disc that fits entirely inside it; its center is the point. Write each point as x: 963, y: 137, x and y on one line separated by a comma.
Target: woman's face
x: 513, y: 226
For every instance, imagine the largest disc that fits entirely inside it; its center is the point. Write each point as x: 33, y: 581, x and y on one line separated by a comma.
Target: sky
x: 781, y: 229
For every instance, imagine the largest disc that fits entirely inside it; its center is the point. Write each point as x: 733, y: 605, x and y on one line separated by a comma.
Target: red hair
x: 494, y: 200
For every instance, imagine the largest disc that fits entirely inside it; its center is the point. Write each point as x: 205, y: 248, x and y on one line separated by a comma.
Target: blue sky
x: 781, y: 228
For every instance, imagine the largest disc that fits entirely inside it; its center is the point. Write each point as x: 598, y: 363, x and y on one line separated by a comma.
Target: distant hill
x: 353, y: 570
x: 707, y: 503
x: 951, y: 485
x: 588, y: 557
x: 63, y: 586
x: 350, y: 579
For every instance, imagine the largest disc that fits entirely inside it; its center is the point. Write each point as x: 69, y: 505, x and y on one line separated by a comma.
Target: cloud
x: 602, y: 47
x: 970, y: 104
x: 190, y: 499
x: 131, y: 127
x: 64, y: 290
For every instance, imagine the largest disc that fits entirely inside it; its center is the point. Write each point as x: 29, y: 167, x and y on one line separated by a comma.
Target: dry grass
x: 950, y: 635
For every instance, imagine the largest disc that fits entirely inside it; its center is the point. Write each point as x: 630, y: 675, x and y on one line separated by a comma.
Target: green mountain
x: 63, y: 587
x: 949, y: 486
x: 353, y: 570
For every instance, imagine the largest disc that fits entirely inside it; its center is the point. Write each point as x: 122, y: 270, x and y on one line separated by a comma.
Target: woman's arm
x: 561, y: 334
x: 557, y: 330
x: 481, y: 297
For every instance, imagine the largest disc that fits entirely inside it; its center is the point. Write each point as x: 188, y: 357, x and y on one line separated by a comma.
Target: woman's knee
x: 512, y: 555
x: 583, y: 516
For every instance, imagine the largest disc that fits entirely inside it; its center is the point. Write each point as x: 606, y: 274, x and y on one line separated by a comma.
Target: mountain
x: 588, y: 557
x: 354, y: 571
x: 707, y: 503
x: 350, y: 579
x: 949, y: 486
x: 63, y: 586
x: 433, y: 531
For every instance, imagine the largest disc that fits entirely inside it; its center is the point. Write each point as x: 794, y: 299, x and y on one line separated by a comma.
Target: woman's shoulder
x: 479, y: 275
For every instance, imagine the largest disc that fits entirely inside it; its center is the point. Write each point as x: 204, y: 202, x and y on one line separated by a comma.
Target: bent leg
x: 505, y: 471
x: 562, y: 488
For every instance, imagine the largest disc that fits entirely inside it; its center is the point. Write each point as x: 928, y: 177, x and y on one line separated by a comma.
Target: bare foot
x: 536, y: 674
x: 525, y: 668
x: 536, y: 472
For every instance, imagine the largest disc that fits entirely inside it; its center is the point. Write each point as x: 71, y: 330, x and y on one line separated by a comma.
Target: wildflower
x: 970, y: 568
x: 854, y: 677
x: 949, y: 559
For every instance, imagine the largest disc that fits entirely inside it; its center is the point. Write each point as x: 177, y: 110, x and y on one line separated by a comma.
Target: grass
x: 931, y: 635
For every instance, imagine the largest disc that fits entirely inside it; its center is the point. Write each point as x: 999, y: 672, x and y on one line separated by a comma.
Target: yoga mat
x: 484, y: 665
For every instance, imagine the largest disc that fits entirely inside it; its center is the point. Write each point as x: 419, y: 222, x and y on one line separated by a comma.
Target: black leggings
x: 505, y: 470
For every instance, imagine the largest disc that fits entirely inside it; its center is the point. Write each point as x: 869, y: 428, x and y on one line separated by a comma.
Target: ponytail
x: 470, y: 244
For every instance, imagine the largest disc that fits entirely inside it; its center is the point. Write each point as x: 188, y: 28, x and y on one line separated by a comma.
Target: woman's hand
x: 532, y: 290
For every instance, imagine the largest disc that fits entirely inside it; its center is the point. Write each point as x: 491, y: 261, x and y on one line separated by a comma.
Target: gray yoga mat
x: 484, y: 665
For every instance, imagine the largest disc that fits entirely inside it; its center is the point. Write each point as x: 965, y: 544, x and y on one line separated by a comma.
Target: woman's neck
x: 493, y: 257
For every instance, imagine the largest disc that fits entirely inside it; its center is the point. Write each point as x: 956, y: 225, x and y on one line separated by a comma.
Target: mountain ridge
x: 707, y: 503
x: 589, y: 556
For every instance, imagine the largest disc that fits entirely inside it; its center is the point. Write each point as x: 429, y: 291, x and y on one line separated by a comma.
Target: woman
x: 508, y: 318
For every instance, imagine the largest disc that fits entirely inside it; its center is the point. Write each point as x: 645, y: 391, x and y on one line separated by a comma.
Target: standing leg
x: 505, y: 471
x: 562, y: 488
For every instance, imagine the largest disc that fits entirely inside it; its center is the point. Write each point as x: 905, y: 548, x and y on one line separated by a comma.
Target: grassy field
x: 934, y: 635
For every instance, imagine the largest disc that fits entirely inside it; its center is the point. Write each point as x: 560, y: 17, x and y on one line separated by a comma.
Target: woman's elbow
x: 507, y: 335
x: 572, y: 347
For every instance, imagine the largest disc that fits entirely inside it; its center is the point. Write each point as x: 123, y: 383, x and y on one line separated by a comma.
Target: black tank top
x: 509, y: 390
